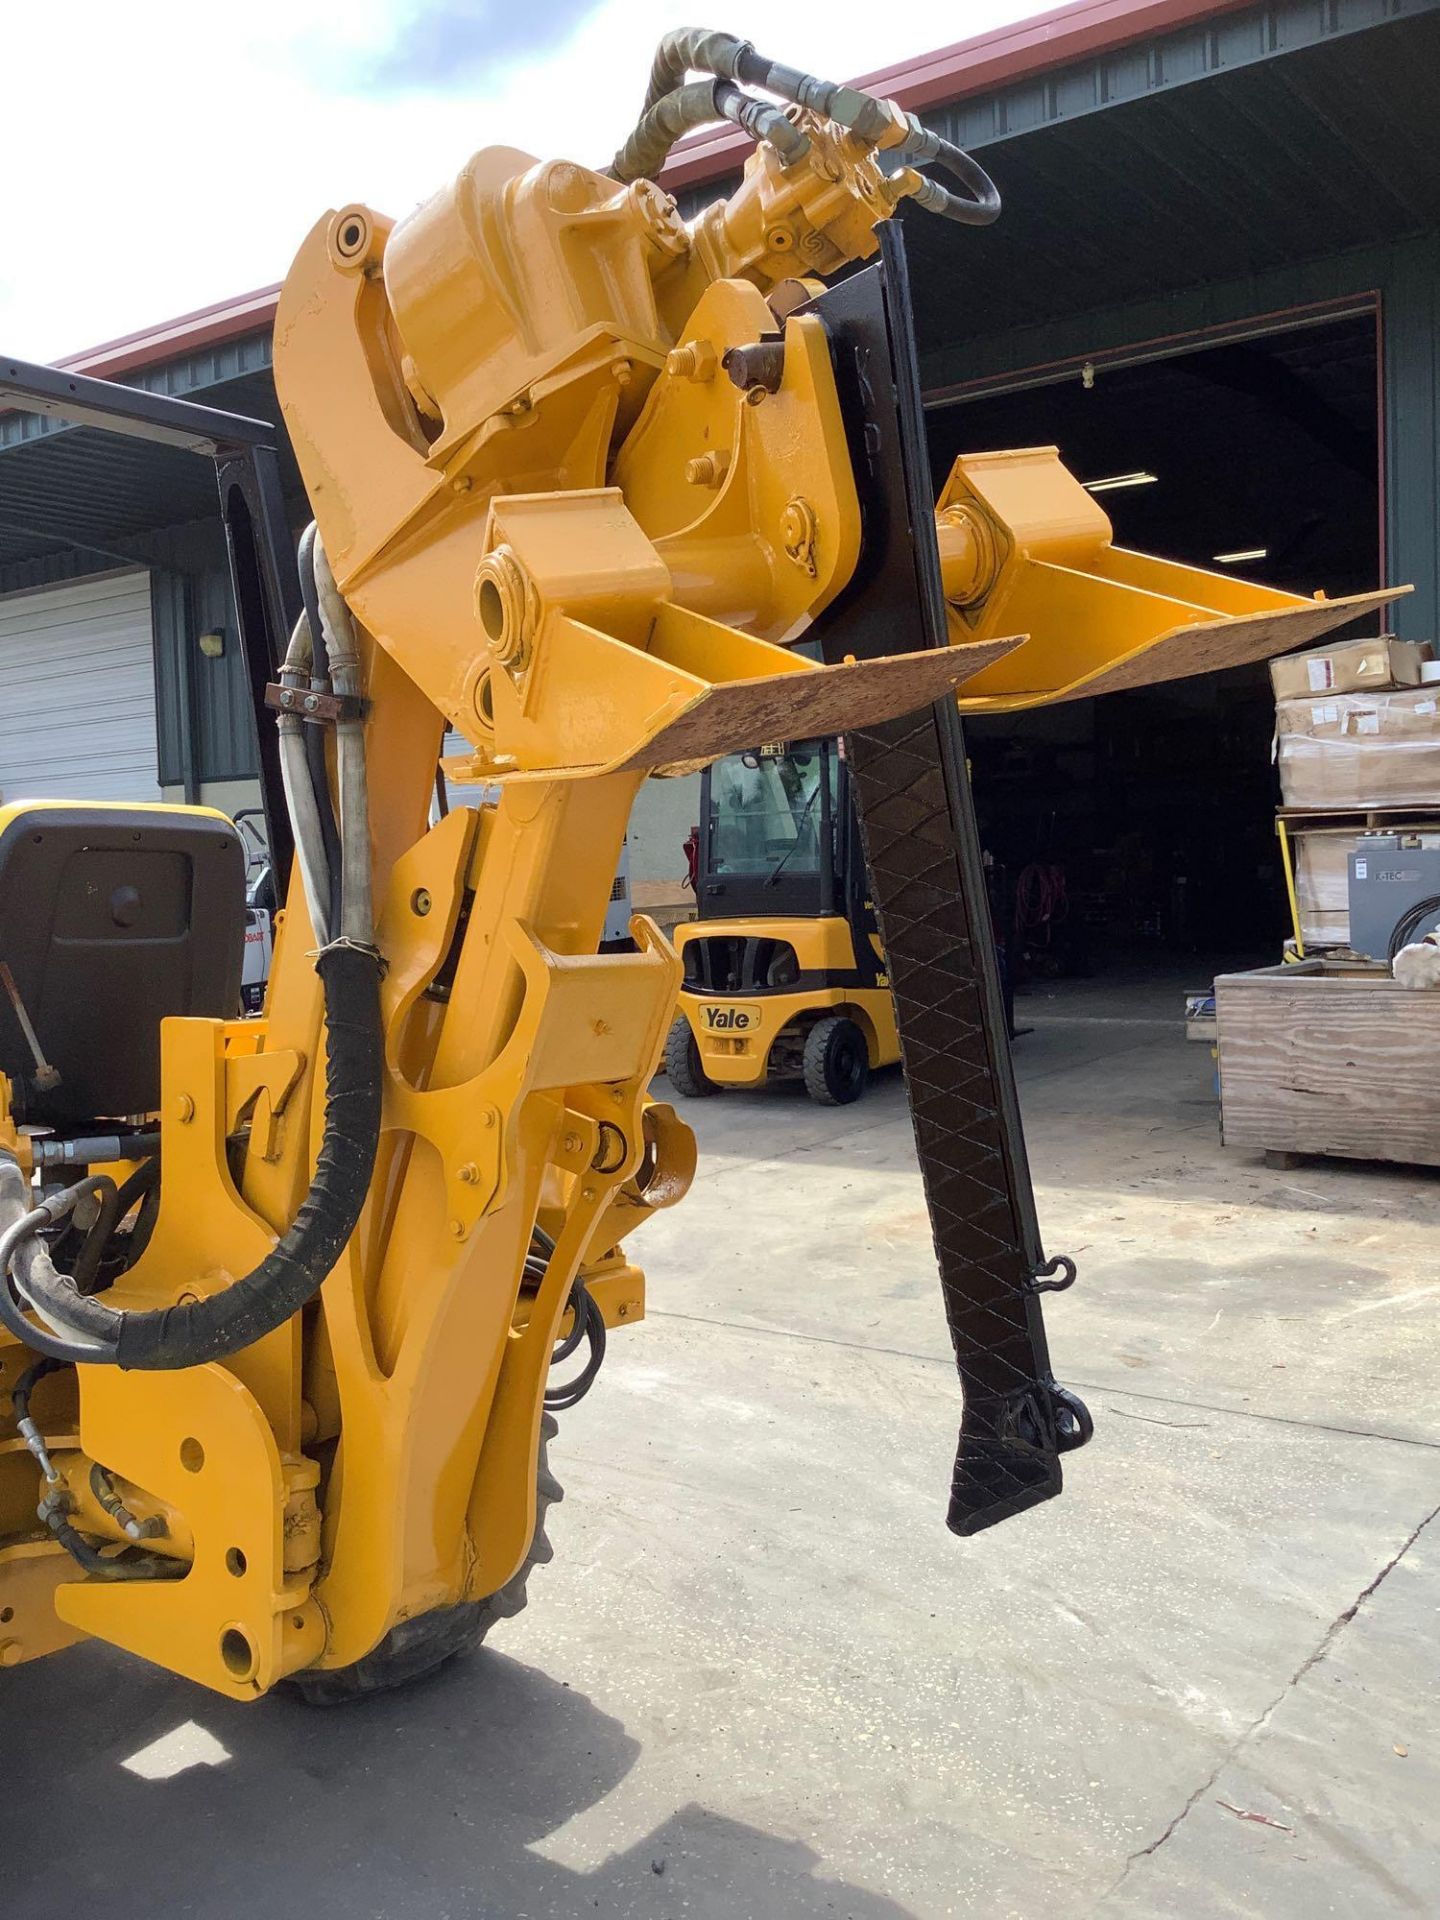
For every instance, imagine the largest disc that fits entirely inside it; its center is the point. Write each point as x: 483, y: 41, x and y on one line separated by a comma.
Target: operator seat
x: 112, y: 918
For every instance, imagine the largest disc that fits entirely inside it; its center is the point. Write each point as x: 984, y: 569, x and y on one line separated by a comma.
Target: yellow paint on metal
x: 1287, y: 862
x: 1025, y: 549
x: 564, y: 530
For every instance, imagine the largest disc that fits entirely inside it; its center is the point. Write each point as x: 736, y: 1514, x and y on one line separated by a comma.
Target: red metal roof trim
x: 208, y: 327
x: 990, y: 60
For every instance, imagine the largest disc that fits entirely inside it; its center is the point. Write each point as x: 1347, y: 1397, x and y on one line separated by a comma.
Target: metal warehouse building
x: 1215, y: 286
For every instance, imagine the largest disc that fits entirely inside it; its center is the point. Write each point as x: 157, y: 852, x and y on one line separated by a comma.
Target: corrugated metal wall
x: 190, y: 584
x: 193, y: 597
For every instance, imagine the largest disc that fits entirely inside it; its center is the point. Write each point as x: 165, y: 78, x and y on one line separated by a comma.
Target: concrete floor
x: 760, y: 1679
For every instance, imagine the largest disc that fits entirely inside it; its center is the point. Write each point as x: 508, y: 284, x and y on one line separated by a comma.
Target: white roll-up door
x: 77, y: 692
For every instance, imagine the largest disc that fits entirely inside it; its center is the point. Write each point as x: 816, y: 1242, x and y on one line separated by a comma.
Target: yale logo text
x: 729, y: 1019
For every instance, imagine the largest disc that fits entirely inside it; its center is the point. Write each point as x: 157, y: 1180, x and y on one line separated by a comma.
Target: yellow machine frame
x: 561, y: 528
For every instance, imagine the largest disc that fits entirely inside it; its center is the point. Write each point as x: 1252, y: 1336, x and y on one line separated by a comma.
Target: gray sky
x: 187, y: 147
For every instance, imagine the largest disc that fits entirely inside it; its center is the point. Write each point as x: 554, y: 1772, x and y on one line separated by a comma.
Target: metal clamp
x: 324, y: 708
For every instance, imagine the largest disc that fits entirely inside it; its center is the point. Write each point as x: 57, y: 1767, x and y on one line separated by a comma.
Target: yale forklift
x: 784, y: 971
x: 785, y: 974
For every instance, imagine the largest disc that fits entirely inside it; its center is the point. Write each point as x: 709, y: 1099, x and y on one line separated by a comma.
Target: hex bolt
x: 708, y: 469
x: 469, y: 1173
x: 573, y: 1143
x: 696, y: 360
x: 420, y: 902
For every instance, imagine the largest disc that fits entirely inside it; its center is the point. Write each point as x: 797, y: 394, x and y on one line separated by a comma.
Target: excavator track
x: 917, y: 817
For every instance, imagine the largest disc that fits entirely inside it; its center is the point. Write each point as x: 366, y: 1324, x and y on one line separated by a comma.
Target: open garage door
x: 1137, y: 831
x: 77, y: 692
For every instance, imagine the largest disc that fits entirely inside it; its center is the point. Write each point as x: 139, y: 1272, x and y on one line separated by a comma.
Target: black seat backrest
x: 111, y: 919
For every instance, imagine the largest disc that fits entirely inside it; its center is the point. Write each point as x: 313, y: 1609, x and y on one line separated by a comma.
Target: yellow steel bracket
x: 219, y: 1445
x: 257, y: 1088
x: 747, y: 493
x: 1025, y: 549
x: 197, y: 1441
x: 420, y: 1322
x: 591, y: 668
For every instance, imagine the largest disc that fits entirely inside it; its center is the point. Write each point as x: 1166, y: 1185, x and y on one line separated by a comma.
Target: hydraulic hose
x: 977, y: 206
x: 695, y: 105
x: 20, y: 1222
x: 86, y: 1330
x: 307, y: 822
x: 314, y: 737
x: 169, y: 1338
x: 696, y: 50
x: 357, y: 918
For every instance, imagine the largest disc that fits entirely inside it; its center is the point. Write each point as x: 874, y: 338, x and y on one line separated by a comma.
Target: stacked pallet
x: 1332, y: 1056
x: 1357, y: 745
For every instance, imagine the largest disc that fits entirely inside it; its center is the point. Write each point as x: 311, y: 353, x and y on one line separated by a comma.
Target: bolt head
x: 184, y: 1109
x: 469, y: 1173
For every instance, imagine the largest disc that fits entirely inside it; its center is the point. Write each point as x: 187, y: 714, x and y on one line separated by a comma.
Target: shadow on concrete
x: 422, y: 1805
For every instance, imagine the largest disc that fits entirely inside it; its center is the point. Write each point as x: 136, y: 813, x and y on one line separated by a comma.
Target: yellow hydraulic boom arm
x: 578, y: 468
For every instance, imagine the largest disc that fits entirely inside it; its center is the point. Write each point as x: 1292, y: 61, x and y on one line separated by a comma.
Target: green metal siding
x: 1407, y: 279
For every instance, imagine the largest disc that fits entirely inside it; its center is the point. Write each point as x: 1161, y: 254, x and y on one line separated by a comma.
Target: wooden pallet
x: 1329, y: 1057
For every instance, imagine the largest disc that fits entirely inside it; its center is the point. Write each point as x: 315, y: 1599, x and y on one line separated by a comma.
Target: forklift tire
x: 682, y: 1062
x: 417, y: 1647
x: 837, y: 1061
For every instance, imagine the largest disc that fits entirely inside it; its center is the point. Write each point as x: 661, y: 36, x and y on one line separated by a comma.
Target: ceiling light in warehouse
x: 1241, y: 553
x: 1117, y: 480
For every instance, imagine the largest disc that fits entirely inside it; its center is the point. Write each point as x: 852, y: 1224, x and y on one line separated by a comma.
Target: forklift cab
x: 784, y: 974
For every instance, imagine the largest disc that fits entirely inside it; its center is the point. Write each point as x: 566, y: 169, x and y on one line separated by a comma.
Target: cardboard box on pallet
x: 1322, y: 884
x: 1354, y: 666
x: 1360, y: 749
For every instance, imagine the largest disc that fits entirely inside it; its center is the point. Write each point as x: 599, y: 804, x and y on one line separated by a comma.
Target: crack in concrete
x: 1083, y: 1386
x: 1322, y: 1647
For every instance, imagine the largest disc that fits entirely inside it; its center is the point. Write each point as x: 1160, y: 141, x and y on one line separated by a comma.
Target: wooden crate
x: 1329, y: 1057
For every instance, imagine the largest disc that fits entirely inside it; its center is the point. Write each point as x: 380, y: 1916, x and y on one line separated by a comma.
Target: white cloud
x: 175, y: 154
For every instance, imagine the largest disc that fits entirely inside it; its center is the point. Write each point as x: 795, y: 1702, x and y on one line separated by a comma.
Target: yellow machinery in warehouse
x: 281, y: 1297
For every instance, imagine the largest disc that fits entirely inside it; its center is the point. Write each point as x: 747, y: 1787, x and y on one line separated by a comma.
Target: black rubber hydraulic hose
x: 169, y: 1338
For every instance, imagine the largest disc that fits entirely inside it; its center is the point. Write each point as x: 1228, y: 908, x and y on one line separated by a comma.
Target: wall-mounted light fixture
x: 212, y: 644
